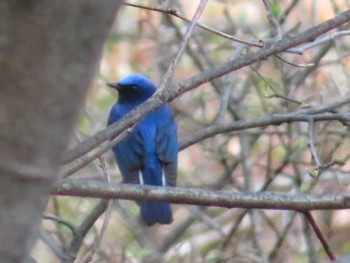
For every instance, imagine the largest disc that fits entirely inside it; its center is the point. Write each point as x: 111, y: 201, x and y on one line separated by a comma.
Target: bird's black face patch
x: 129, y: 94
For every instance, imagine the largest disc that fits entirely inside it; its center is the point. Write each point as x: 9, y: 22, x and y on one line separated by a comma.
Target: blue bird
x: 148, y: 154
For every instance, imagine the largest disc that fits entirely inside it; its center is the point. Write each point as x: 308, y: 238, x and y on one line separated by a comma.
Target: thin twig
x: 282, y: 237
x: 103, y: 149
x: 322, y: 40
x: 226, y: 92
x: 287, y: 11
x: 210, y: 222
x: 320, y: 235
x: 169, y: 73
x: 248, y: 186
x: 273, y: 20
x: 298, y: 65
x: 90, y: 255
x: 276, y: 95
x: 82, y: 230
x: 60, y: 221
x: 312, y: 142
x: 334, y: 61
x: 173, y: 12
x: 57, y: 213
x: 310, y: 242
x: 53, y: 243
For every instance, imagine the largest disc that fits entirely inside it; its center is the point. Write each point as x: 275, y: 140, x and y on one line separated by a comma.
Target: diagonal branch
x: 171, y: 92
x: 320, y: 235
x: 170, y: 71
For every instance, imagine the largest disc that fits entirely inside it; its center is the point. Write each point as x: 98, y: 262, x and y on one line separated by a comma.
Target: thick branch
x: 261, y: 200
x: 171, y: 92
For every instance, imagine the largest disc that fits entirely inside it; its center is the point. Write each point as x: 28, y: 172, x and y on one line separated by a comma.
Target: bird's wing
x: 129, y: 152
x: 167, y: 149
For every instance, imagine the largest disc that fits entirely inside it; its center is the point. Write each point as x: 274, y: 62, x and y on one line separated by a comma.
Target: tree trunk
x: 48, y: 55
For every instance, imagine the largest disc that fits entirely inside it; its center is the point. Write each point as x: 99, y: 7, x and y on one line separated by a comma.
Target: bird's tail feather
x: 154, y: 212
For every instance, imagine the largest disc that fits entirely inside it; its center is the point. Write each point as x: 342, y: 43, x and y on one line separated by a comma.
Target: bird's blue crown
x: 139, y: 80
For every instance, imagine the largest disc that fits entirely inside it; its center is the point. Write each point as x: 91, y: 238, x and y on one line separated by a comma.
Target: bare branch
x: 227, y: 86
x: 298, y: 65
x: 173, y: 12
x: 273, y: 119
x: 261, y: 200
x: 168, y: 94
x: 92, y: 251
x: 82, y: 230
x: 273, y: 20
x: 322, y: 40
x: 181, y: 49
x: 60, y: 221
x: 104, y: 148
x: 312, y: 142
x: 319, y: 235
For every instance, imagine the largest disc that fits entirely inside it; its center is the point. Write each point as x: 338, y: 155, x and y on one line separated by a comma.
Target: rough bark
x: 48, y: 54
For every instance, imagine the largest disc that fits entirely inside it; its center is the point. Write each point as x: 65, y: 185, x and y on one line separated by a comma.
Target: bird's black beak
x: 113, y: 85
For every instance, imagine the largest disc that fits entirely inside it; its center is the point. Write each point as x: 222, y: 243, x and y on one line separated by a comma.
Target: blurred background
x: 273, y: 158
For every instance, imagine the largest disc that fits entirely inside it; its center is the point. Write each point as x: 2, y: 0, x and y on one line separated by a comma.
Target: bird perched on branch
x: 148, y: 154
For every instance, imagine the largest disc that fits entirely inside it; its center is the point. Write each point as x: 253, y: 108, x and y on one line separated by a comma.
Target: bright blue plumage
x: 148, y: 155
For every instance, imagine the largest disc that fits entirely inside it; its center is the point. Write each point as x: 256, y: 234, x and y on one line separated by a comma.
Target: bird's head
x: 134, y: 88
